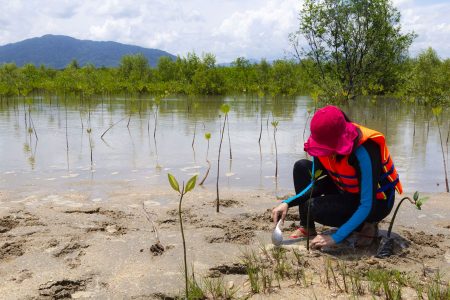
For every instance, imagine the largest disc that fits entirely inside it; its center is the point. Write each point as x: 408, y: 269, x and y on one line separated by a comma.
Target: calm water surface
x: 128, y: 156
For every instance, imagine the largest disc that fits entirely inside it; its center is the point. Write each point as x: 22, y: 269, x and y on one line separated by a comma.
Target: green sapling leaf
x: 173, y: 183
x: 436, y: 110
x: 191, y: 184
x: 274, y: 123
x: 225, y: 108
x: 317, y: 173
x: 207, y: 135
x: 420, y: 202
x: 416, y: 196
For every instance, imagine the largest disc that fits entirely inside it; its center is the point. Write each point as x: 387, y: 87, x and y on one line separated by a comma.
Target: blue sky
x: 229, y: 28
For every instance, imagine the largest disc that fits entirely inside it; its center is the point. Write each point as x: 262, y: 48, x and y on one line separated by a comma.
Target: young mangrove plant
x: 155, y: 113
x: 89, y: 131
x: 315, y: 177
x: 436, y: 112
x: 228, y: 131
x: 67, y: 138
x: 225, y: 108
x: 194, y: 109
x: 306, y: 123
x: 184, y: 190
x: 386, y: 247
x: 275, y: 127
x: 207, y: 137
x: 260, y: 129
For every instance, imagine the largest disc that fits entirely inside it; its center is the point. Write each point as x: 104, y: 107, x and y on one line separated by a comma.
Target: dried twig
x: 150, y: 219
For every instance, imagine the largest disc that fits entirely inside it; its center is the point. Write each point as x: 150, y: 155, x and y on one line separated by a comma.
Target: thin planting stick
x: 111, y: 127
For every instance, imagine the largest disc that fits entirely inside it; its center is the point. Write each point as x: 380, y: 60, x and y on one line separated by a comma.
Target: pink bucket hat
x: 330, y: 133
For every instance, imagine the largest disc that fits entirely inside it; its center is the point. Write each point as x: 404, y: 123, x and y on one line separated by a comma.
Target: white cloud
x: 251, y: 28
x: 431, y: 23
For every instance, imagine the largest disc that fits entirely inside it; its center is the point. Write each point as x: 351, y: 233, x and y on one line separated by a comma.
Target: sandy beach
x: 55, y: 246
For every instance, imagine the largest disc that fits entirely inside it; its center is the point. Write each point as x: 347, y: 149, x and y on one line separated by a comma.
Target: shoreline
x: 67, y: 245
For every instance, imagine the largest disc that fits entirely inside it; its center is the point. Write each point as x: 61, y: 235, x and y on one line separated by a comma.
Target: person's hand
x: 280, y: 209
x: 322, y: 241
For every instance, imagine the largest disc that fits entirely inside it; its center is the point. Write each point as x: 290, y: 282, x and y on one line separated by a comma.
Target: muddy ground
x: 55, y: 246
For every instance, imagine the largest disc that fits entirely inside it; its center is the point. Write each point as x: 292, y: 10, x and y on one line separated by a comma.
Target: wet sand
x: 70, y: 246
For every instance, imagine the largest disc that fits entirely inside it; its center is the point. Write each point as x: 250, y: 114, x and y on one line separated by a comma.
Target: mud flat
x: 56, y: 246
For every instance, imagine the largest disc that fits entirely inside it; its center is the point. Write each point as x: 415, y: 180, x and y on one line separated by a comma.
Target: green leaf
x: 420, y: 202
x: 207, y: 135
x: 317, y: 174
x: 416, y: 196
x: 274, y: 123
x: 190, y: 184
x: 436, y: 110
x: 173, y: 183
x: 225, y: 108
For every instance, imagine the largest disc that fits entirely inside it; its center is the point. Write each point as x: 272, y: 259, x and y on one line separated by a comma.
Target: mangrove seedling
x: 386, y: 247
x: 225, y: 108
x: 194, y: 108
x: 315, y: 177
x: 260, y: 129
x: 275, y: 127
x: 184, y: 190
x: 436, y: 112
x: 157, y: 103
x: 306, y: 123
x: 207, y: 137
x: 228, y: 129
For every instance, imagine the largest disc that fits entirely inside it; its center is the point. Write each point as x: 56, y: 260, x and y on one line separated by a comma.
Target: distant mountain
x: 57, y: 51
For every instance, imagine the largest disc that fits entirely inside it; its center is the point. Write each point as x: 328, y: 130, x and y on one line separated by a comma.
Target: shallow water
x: 128, y: 156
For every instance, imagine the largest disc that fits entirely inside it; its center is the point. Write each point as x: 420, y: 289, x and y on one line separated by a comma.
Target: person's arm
x: 367, y: 161
x: 295, y: 200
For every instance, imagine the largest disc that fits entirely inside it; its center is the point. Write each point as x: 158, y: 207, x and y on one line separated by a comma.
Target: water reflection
x: 137, y: 141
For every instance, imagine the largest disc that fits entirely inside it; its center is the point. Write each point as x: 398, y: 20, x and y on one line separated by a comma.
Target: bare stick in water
x: 111, y: 127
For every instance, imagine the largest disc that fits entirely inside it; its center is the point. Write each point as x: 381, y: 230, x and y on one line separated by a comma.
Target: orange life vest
x: 345, y: 177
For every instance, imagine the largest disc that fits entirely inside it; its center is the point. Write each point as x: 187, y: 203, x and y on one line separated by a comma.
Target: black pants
x: 329, y: 205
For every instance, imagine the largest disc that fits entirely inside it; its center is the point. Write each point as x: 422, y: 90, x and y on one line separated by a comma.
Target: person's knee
x: 302, y: 165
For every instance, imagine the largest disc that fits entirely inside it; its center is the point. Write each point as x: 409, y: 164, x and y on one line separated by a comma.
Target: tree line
x: 190, y: 75
x: 341, y: 50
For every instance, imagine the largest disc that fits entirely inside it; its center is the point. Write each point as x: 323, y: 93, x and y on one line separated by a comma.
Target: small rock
x: 230, y: 285
x: 111, y: 228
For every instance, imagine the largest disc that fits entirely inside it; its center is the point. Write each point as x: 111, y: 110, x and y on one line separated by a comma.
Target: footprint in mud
x: 242, y: 236
x: 423, y: 239
x: 11, y: 250
x: 62, y: 289
x: 187, y: 215
x: 114, y: 214
x: 68, y: 248
x: 113, y: 226
x: 23, y: 275
x: 17, y: 218
x: 74, y: 262
x: 7, y: 223
x: 228, y: 203
x: 232, y: 269
x: 108, y: 227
